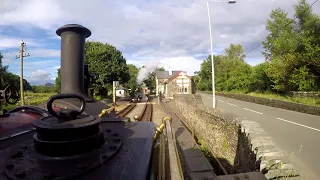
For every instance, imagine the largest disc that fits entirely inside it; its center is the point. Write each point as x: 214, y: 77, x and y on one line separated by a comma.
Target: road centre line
x: 299, y: 124
x: 231, y: 104
x: 220, y: 101
x: 253, y: 111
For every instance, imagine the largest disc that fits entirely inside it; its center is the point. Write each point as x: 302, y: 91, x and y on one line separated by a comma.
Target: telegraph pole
x: 21, y: 55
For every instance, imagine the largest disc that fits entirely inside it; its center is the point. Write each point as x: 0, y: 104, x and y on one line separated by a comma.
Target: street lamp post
x: 211, y: 49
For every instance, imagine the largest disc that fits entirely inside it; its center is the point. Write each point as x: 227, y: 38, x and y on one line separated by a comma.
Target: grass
x: 30, y: 98
x: 303, y: 100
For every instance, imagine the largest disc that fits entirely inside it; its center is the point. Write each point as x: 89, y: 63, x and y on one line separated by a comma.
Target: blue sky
x: 168, y: 33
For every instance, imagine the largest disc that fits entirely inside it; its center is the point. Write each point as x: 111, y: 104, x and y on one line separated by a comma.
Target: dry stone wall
x: 227, y: 136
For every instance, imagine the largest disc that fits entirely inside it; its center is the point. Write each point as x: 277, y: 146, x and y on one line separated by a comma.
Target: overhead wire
x: 294, y: 18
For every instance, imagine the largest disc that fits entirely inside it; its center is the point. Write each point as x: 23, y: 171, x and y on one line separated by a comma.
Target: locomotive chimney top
x: 73, y: 38
x: 74, y: 28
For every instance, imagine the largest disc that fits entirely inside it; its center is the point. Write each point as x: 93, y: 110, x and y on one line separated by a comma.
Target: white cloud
x: 39, y: 74
x: 6, y: 60
x: 14, y: 42
x: 44, y: 52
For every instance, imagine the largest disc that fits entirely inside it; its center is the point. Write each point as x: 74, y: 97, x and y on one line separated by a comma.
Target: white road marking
x: 300, y: 148
x: 231, y: 104
x: 253, y: 111
x: 220, y: 101
x: 299, y: 124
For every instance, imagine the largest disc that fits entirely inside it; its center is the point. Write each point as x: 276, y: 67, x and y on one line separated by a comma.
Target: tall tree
x: 231, y: 72
x: 235, y: 51
x: 292, y: 48
x: 107, y: 63
x: 58, y: 82
x: 133, y: 73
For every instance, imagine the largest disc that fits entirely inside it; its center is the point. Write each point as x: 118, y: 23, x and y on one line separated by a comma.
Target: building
x: 121, y: 92
x: 174, y: 82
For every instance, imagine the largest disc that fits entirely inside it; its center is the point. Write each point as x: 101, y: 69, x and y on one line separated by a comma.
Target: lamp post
x: 212, y: 64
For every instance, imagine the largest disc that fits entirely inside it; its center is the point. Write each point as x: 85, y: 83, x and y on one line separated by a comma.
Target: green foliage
x: 108, y: 64
x: 150, y: 82
x: 231, y: 72
x: 293, y: 48
x: 259, y: 80
x: 43, y: 89
x: 58, y: 82
x: 292, y: 52
x: 132, y: 83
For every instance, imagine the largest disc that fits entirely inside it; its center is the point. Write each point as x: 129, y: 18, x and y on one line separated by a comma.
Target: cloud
x: 6, y: 60
x: 40, y: 74
x: 14, y: 42
x: 44, y: 52
x: 174, y: 33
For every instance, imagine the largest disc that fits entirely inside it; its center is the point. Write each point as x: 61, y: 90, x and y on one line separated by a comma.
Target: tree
x: 133, y: 73
x: 235, y: 52
x: 58, y: 82
x: 231, y: 72
x: 151, y: 80
x: 292, y: 47
x: 3, y: 72
x: 108, y: 64
x: 259, y: 80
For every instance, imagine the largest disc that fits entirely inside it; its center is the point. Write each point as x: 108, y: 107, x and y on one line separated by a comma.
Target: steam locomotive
x: 66, y: 139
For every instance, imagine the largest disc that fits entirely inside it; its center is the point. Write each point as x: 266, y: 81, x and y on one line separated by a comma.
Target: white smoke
x: 144, y: 72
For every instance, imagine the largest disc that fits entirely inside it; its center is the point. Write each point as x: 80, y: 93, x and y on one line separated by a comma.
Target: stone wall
x: 215, y: 129
x: 304, y: 94
x: 243, y: 144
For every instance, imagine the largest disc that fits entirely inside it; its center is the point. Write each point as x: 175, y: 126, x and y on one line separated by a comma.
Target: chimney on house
x: 170, y: 71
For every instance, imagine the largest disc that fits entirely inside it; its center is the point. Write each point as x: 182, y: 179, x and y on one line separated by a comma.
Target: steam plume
x: 144, y: 72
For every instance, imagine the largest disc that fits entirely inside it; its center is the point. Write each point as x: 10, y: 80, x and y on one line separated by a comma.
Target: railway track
x: 146, y: 114
x: 125, y: 111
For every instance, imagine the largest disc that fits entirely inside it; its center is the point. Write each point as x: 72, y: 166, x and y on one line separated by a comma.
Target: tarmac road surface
x: 297, y: 135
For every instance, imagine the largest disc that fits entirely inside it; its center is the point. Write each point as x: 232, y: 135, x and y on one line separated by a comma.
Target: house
x: 174, y: 82
x: 121, y: 92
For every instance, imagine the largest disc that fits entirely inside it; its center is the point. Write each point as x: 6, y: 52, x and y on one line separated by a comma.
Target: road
x: 297, y: 135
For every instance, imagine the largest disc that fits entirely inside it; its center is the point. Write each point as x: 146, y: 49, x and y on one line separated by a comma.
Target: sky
x: 168, y: 33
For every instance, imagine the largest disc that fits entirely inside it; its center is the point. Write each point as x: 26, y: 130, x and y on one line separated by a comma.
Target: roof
x: 175, y: 76
x: 162, y: 74
x: 165, y: 74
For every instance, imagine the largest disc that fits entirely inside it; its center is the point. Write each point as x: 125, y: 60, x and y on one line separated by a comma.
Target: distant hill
x: 49, y: 84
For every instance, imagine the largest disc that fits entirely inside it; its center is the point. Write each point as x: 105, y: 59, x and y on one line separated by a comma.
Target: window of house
x: 119, y: 92
x: 185, y: 89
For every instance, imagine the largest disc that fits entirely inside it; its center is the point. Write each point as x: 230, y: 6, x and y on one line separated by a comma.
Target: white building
x: 121, y: 92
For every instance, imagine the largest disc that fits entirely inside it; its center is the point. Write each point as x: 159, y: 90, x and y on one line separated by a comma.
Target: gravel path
x: 158, y: 114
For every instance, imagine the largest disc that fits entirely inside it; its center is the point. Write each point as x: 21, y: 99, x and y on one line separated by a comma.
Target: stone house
x: 174, y: 82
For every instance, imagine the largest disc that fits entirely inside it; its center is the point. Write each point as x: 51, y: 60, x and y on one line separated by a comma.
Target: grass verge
x: 303, y: 100
x: 30, y: 98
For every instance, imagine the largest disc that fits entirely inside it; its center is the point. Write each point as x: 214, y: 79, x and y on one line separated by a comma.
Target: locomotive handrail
x: 174, y: 160
x: 171, y: 158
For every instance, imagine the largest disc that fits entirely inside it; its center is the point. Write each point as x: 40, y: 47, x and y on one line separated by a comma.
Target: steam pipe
x: 72, y: 58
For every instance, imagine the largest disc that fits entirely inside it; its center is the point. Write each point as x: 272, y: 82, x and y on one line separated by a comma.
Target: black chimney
x: 73, y: 38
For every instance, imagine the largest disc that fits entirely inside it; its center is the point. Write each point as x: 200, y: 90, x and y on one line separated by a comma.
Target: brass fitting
x: 106, y: 111
x: 136, y: 117
x: 161, y: 127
